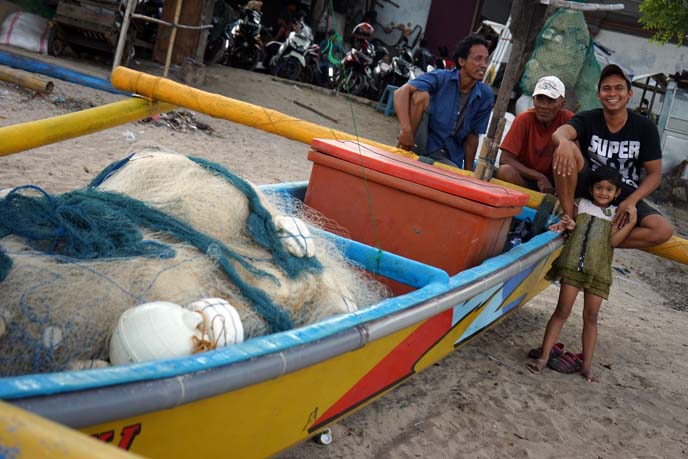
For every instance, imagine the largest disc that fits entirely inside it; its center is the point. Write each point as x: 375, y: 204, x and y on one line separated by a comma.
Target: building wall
x: 411, y: 13
x: 441, y: 22
x: 640, y: 56
x: 449, y: 21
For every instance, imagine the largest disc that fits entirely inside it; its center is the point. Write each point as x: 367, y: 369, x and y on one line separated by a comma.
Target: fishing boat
x: 439, y: 239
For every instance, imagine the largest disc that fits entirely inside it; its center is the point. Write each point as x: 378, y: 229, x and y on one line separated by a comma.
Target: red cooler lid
x: 420, y: 173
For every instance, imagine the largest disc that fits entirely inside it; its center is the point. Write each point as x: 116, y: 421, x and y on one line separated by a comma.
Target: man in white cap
x: 527, y: 149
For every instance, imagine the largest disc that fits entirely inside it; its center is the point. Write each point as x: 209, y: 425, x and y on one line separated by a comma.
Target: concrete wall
x: 639, y: 56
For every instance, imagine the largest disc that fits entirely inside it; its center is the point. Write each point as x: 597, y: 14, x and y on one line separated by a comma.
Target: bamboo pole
x: 26, y: 81
x: 173, y: 36
x: 170, y: 94
x: 24, y: 136
x: 583, y: 6
x: 123, y: 32
x: 262, y: 118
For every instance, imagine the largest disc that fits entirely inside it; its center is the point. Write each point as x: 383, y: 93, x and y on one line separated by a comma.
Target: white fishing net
x: 59, y: 312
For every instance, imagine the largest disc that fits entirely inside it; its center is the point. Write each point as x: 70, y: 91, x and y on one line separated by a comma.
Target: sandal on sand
x: 557, y: 350
x: 568, y: 362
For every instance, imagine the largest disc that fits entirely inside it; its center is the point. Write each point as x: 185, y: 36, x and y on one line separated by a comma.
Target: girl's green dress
x: 586, y: 259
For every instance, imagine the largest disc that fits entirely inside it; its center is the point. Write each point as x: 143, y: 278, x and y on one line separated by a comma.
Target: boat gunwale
x: 95, y: 405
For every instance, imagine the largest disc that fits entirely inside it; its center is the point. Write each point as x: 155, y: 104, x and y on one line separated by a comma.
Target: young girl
x: 585, y: 263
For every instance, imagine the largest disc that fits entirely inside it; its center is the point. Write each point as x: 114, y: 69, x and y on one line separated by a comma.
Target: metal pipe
x: 169, y: 24
x: 55, y: 71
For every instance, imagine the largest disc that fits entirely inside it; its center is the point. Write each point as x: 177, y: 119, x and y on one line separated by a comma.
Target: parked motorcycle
x: 295, y: 54
x: 242, y: 45
x: 396, y: 71
x: 356, y: 73
x: 223, y: 16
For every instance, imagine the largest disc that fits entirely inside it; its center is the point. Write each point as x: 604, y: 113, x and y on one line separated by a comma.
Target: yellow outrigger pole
x: 28, y: 435
x: 272, y: 121
x: 32, y: 134
x: 165, y: 95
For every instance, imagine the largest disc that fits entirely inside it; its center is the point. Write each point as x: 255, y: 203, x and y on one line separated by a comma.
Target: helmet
x: 363, y: 31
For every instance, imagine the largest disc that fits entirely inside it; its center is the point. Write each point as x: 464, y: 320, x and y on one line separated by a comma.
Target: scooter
x: 242, y: 41
x: 290, y: 59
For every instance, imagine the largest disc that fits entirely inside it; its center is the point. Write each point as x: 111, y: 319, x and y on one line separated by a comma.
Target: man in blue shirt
x: 442, y: 113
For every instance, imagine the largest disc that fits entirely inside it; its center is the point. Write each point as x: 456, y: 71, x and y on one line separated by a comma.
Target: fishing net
x: 157, y: 226
x: 564, y: 48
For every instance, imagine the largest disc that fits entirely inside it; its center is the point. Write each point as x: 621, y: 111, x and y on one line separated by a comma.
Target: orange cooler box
x: 406, y: 207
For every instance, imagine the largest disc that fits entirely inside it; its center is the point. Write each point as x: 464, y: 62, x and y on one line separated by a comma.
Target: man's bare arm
x: 470, y: 146
x: 402, y: 104
x: 647, y: 186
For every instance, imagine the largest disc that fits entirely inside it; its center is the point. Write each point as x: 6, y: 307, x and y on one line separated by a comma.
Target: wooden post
x: 123, y: 32
x: 173, y: 36
x: 524, y: 13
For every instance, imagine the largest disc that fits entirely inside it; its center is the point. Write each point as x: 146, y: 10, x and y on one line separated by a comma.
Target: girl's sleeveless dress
x: 586, y: 259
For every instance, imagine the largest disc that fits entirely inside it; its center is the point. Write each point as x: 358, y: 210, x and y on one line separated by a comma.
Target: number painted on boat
x: 126, y: 436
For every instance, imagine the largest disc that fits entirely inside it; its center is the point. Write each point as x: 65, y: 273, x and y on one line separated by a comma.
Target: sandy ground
x: 480, y: 402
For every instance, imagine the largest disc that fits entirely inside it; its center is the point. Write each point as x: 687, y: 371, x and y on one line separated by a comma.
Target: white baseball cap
x: 550, y: 86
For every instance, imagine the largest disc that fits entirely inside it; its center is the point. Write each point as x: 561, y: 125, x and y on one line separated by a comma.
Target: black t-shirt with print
x: 627, y: 150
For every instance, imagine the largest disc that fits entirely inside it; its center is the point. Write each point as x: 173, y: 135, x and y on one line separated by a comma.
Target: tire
x: 356, y: 83
x: 308, y: 75
x: 247, y: 58
x: 289, y: 68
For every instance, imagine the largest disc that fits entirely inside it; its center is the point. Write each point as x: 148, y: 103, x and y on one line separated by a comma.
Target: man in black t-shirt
x: 620, y: 138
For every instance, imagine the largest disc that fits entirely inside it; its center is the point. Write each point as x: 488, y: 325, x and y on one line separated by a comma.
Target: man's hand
x: 544, y: 185
x: 405, y: 140
x: 564, y: 161
x: 626, y: 214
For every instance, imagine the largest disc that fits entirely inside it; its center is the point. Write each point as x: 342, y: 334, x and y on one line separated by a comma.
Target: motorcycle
x: 356, y: 75
x: 290, y: 59
x: 243, y: 44
x: 216, y: 48
x: 395, y: 71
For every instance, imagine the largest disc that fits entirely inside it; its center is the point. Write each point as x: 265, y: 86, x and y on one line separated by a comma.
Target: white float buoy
x: 222, y: 324
x: 295, y: 236
x: 52, y: 337
x: 153, y: 331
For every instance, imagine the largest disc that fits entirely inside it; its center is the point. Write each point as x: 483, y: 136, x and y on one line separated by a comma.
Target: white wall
x: 639, y: 56
x: 414, y: 12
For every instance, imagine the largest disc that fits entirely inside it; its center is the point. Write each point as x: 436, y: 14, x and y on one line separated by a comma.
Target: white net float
x: 295, y: 236
x: 152, y: 331
x: 221, y: 322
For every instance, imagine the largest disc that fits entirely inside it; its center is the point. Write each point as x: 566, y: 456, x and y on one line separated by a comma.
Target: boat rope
x: 364, y: 172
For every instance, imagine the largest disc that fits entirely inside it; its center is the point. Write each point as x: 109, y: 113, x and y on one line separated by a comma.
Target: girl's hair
x: 606, y: 173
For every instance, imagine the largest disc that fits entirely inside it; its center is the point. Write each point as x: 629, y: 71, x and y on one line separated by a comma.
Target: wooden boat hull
x: 265, y: 395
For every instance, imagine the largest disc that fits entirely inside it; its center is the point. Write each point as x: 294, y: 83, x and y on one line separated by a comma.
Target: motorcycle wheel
x: 308, y: 75
x: 354, y: 84
x: 246, y: 58
x: 289, y: 68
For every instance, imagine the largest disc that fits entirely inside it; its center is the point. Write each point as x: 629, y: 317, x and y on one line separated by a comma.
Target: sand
x: 479, y: 402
